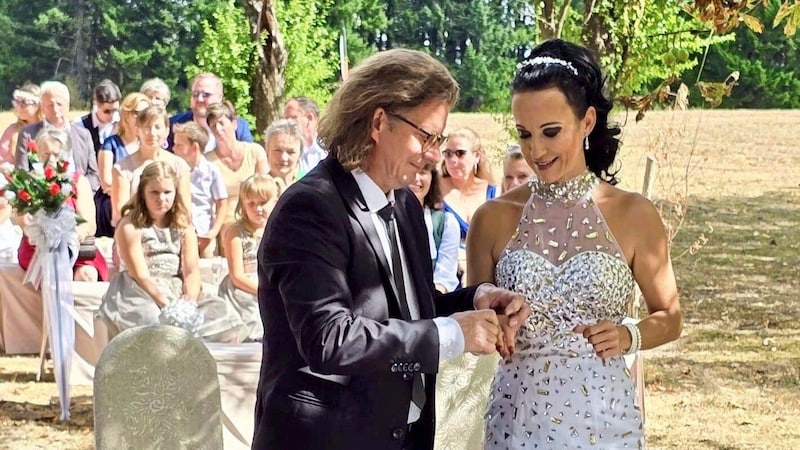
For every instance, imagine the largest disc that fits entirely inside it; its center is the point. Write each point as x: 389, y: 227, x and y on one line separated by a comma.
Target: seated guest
x: 283, y: 140
x: 516, y: 170
x: 467, y: 182
x: 305, y: 112
x: 102, y: 121
x: 25, y: 101
x: 151, y: 127
x: 207, y: 90
x: 257, y: 196
x: 55, y: 108
x: 236, y: 160
x: 157, y: 91
x: 443, y: 233
x: 9, y: 233
x: 52, y: 144
x: 158, y: 252
x: 209, y: 195
x: 116, y: 148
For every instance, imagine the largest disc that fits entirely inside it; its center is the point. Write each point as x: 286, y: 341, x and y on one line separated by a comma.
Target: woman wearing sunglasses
x: 25, y: 101
x: 467, y: 180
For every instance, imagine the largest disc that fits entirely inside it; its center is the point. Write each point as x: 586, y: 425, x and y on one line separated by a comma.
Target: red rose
x: 55, y: 189
x: 9, y: 177
x: 65, y: 166
x: 24, y: 196
x: 49, y: 173
x: 32, y: 146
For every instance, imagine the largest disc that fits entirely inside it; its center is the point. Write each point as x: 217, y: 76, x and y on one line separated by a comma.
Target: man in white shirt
x: 305, y: 112
x: 354, y: 331
x: 55, y: 107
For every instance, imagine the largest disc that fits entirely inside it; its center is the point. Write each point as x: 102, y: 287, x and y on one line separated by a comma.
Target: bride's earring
x: 586, y: 143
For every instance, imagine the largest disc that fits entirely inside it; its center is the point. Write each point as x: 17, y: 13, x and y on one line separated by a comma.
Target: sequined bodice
x: 249, y: 247
x: 162, y: 251
x: 566, y: 262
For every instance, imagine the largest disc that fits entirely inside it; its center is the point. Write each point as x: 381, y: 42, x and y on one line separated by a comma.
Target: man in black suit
x: 354, y: 331
x: 55, y: 106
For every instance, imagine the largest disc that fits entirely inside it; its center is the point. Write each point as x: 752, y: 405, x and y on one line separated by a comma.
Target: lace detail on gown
x: 555, y: 392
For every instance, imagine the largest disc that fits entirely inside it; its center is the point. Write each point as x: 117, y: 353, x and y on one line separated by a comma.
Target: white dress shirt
x: 451, y: 338
x: 311, y: 157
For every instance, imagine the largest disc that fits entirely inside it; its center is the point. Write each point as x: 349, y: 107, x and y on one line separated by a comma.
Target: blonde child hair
x: 259, y: 186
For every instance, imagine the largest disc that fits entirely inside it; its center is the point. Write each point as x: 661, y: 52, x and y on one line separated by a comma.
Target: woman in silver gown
x: 574, y: 245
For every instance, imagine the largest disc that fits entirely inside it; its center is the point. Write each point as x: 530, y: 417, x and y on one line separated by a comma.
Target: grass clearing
x: 732, y: 381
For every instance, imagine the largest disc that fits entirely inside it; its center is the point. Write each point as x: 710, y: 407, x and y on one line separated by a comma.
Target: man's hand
x: 481, y: 330
x: 505, y: 303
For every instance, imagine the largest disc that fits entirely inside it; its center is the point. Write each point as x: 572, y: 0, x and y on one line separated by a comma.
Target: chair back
x: 156, y: 387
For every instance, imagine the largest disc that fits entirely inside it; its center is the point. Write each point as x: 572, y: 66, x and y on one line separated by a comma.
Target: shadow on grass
x: 81, y: 412
x: 748, y: 273
x: 679, y: 372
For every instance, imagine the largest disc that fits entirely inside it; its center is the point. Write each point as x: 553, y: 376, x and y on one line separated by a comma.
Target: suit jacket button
x: 417, y: 366
x: 405, y: 367
x: 407, y: 376
x: 398, y: 433
x: 394, y: 368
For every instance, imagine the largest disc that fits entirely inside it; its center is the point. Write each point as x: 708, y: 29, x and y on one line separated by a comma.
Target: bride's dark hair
x: 574, y: 71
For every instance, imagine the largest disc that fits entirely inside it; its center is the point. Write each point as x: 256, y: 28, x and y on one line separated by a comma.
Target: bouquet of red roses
x: 41, y: 188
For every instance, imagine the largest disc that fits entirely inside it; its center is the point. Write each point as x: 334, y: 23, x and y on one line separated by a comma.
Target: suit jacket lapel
x: 351, y: 194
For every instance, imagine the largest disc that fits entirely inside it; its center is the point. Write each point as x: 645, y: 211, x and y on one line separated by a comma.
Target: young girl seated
x: 159, y: 262
x: 257, y: 196
x: 52, y: 144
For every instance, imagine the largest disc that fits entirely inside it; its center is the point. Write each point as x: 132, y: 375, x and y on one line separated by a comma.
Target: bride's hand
x: 506, y: 339
x: 605, y: 337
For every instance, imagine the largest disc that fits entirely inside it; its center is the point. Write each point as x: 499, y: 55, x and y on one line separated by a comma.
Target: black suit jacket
x: 80, y: 142
x: 338, y: 358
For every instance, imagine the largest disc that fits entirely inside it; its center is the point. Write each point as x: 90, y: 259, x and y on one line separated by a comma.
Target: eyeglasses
x: 109, y: 111
x: 431, y: 139
x: 201, y: 94
x: 458, y: 153
x: 18, y: 103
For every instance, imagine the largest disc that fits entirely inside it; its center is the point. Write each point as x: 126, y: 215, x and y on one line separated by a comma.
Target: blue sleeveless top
x: 491, y: 192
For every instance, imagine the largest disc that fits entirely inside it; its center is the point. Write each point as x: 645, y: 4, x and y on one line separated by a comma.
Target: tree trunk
x: 595, y: 35
x: 268, y: 79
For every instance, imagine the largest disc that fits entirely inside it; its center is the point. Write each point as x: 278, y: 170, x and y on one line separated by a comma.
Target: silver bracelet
x: 636, y: 338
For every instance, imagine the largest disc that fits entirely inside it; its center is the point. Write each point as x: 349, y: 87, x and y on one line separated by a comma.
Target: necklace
x: 565, y: 191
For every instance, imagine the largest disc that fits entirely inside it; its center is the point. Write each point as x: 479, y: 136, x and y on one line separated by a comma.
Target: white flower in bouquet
x: 66, y: 188
x: 10, y: 195
x: 38, y: 168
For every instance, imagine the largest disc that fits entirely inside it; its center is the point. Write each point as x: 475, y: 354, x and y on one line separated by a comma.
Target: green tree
x: 140, y: 39
x: 313, y: 59
x: 768, y: 63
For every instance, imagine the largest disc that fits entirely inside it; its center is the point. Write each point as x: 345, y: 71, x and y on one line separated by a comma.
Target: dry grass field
x: 732, y: 381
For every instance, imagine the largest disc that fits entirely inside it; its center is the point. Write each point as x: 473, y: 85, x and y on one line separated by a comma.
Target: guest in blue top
x: 206, y: 90
x: 115, y: 148
x: 467, y: 181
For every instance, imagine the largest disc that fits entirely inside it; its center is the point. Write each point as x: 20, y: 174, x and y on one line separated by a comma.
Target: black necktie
x: 387, y: 214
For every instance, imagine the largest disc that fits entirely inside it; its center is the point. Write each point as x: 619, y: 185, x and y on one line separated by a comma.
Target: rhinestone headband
x: 548, y: 61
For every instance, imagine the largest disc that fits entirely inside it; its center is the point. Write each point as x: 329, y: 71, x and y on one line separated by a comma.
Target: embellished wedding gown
x: 555, y: 392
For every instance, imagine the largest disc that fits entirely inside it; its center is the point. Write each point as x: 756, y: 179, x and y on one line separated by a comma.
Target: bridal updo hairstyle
x: 575, y: 72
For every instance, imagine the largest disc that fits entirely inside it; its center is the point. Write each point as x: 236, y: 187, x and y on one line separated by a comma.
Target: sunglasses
x: 431, y: 139
x: 201, y: 94
x: 109, y: 111
x: 458, y: 153
x: 18, y: 103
